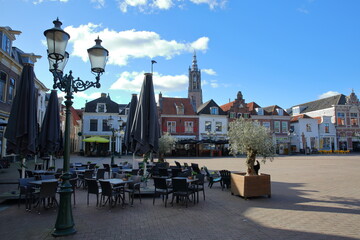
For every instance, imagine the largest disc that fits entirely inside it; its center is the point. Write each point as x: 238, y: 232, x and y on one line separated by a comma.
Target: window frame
x: 189, y: 126
x: 171, y: 126
x: 208, y: 126
x: 218, y: 126
x: 277, y: 129
x: 92, y: 123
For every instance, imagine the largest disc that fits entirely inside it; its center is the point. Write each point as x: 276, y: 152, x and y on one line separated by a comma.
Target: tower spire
x: 194, y: 62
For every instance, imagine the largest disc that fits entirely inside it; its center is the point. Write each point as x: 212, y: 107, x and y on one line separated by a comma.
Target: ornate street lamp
x: 57, y: 40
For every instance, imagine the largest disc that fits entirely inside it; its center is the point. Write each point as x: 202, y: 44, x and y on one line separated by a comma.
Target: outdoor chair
x: 163, y: 172
x: 58, y: 173
x: 92, y: 165
x: 100, y: 174
x: 73, y: 182
x: 162, y: 189
x: 212, y: 178
x: 186, y: 165
x: 195, y: 168
x: 87, y: 174
x: 112, y: 194
x: 93, y: 188
x: 133, y: 187
x: 48, y: 191
x: 29, y: 173
x: 120, y: 175
x: 181, y: 189
x: 25, y: 190
x: 198, y: 186
x: 175, y: 172
x: 225, y: 178
x: 135, y: 172
x: 107, y: 168
x: 178, y: 165
x: 186, y: 173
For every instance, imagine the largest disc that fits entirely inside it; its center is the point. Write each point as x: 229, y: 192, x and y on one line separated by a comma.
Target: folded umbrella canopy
x: 130, y: 119
x: 49, y: 141
x: 96, y: 139
x: 21, y: 131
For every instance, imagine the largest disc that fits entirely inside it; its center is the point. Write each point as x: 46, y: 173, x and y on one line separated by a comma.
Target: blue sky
x: 282, y: 52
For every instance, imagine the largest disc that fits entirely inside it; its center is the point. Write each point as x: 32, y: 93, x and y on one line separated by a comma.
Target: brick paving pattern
x: 313, y: 197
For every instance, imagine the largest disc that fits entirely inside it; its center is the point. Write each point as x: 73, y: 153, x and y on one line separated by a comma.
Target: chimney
x: 103, y: 95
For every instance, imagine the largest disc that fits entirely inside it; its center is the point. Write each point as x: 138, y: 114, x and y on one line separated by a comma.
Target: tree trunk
x: 250, y: 161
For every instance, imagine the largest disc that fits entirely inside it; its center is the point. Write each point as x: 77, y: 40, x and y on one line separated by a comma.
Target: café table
x: 116, y: 183
x: 41, y: 172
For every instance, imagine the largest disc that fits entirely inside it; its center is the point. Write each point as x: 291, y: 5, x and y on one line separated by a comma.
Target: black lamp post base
x: 64, y: 232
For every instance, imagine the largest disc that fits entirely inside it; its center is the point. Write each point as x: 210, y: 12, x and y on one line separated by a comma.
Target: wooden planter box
x: 250, y: 186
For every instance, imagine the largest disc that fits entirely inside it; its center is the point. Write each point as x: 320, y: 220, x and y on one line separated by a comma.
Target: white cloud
x: 41, y: 1
x: 91, y: 96
x: 328, y: 94
x: 98, y: 3
x: 209, y: 71
x: 129, y: 44
x: 214, y: 84
x: 132, y: 81
x: 150, y: 5
x: 303, y: 10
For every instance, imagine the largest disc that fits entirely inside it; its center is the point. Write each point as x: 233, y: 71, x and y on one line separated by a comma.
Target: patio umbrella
x: 49, y: 140
x: 21, y: 131
x: 129, y: 122
x: 145, y: 130
x: 96, y: 139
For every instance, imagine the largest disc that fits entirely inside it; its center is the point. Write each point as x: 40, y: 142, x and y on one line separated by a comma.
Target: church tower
x: 194, y: 90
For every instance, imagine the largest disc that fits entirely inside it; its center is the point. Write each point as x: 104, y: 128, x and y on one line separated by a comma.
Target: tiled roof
x: 301, y: 116
x: 169, y: 106
x: 323, y: 103
x: 226, y: 107
x: 271, y: 110
x: 252, y: 106
x: 205, y: 108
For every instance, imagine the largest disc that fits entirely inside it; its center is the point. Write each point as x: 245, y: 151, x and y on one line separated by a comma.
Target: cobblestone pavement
x: 313, y: 197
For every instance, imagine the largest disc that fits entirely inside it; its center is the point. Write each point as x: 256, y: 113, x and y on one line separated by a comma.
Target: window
x: 277, y: 126
x: 327, y: 128
x: 238, y: 115
x: 179, y: 109
x: 3, y: 77
x: 93, y: 125
x: 127, y: 111
x: 11, y: 90
x: 6, y: 43
x: 280, y: 111
x: 232, y: 115
x: 284, y: 127
x: 308, y: 127
x: 101, y: 107
x: 354, y: 119
x: 341, y: 118
x: 105, y: 126
x: 214, y: 111
x: 218, y: 126
x: 259, y: 111
x: 246, y: 115
x: 207, y: 126
x: 266, y: 124
x: 189, y: 127
x: 171, y: 126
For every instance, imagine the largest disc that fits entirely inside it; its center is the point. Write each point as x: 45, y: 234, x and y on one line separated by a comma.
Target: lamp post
x: 110, y: 123
x: 57, y: 40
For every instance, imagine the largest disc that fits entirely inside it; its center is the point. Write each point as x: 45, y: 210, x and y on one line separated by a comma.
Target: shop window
x: 341, y: 118
x: 171, y: 126
x: 93, y: 125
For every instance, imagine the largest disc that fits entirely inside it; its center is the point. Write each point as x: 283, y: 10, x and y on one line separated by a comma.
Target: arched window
x: 3, y: 78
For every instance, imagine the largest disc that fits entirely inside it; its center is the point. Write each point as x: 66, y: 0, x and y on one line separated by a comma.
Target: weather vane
x: 152, y: 63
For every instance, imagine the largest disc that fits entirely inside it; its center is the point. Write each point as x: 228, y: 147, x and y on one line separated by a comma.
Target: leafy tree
x: 166, y: 143
x: 246, y: 136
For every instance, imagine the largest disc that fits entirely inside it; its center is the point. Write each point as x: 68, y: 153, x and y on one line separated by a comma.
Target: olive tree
x: 248, y: 137
x: 166, y: 143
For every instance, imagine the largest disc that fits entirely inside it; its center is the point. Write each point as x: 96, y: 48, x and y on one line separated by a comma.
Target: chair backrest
x: 48, y: 189
x: 89, y: 173
x: 28, y: 173
x: 107, y: 167
x: 175, y: 172
x: 178, y: 164
x: 163, y: 172
x: 92, y: 165
x: 24, y: 183
x: 186, y: 165
x: 100, y: 173
x: 135, y: 179
x: 92, y: 185
x: 160, y: 183
x: 201, y: 178
x: 195, y: 167
x: 135, y: 172
x: 185, y: 173
x: 120, y: 175
x: 44, y: 177
x: 106, y: 188
x: 207, y: 171
x: 179, y: 185
x: 225, y: 173
x: 73, y: 182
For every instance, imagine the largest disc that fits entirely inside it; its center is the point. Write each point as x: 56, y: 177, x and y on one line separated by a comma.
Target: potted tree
x: 247, y: 137
x: 166, y: 143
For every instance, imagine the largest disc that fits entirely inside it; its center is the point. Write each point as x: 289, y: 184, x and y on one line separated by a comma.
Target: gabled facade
x: 95, y: 118
x: 344, y: 112
x: 212, y: 121
x: 237, y: 108
x: 178, y: 118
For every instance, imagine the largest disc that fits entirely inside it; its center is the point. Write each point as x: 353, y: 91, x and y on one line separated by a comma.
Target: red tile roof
x: 169, y: 106
x: 226, y: 107
x: 296, y: 118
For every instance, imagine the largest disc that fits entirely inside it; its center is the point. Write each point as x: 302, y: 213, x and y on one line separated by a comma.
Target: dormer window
x: 179, y: 109
x: 214, y: 111
x: 296, y: 110
x: 5, y: 43
x: 259, y: 111
x: 101, y: 108
x: 280, y: 111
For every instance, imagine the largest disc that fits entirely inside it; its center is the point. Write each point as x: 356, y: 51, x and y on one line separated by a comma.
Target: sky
x: 276, y: 52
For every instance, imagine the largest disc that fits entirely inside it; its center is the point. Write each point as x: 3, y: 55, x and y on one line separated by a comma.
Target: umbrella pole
x: 51, y: 161
x: 133, y: 163
x: 23, y: 168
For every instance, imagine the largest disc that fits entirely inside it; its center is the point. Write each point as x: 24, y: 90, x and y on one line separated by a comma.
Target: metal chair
x: 25, y: 189
x: 181, y: 189
x: 111, y: 193
x: 93, y: 188
x: 161, y: 188
x: 133, y: 187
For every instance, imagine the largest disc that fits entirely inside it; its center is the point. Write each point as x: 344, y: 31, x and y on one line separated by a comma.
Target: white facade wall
x: 323, y: 112
x: 330, y: 136
x: 308, y: 135
x: 218, y: 135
